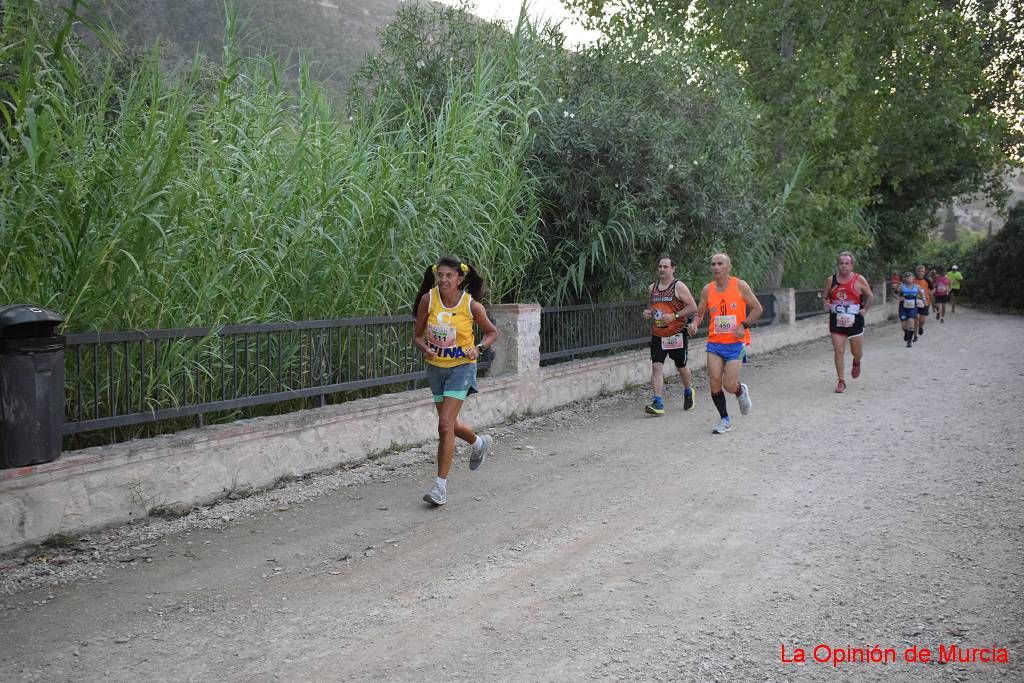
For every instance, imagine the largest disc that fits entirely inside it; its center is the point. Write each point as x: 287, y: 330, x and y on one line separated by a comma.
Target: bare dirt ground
x: 596, y: 543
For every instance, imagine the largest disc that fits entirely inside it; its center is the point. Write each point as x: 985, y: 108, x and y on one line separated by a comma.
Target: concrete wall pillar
x: 878, y: 289
x: 517, y: 351
x: 785, y: 306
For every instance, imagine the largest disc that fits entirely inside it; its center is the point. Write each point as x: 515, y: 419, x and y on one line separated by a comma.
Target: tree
x: 876, y: 111
x: 992, y: 266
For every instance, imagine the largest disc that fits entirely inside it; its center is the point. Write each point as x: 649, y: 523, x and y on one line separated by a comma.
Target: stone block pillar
x: 517, y: 351
x: 879, y: 289
x: 785, y: 306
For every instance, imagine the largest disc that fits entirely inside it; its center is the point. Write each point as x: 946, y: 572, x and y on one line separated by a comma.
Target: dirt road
x: 598, y: 543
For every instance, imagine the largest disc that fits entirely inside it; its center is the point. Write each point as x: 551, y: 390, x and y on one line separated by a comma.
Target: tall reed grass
x: 133, y: 199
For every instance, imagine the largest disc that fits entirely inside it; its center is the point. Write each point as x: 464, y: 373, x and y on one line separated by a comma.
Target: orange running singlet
x: 728, y: 310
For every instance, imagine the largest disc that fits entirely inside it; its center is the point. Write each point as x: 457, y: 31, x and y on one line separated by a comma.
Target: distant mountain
x: 335, y: 35
x: 976, y: 215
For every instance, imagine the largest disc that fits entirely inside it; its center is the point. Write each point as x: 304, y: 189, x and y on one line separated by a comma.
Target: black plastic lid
x: 20, y: 314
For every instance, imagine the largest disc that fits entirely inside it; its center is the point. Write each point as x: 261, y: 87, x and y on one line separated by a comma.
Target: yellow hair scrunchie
x: 462, y: 266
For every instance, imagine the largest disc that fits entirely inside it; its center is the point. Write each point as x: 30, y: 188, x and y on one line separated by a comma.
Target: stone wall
x: 106, y: 485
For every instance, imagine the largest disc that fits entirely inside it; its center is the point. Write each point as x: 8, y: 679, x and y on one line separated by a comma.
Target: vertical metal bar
x: 245, y: 365
x: 234, y: 366
x: 142, y: 374
x: 257, y: 369
x: 78, y: 381
x: 297, y: 383
x: 96, y: 381
x: 341, y: 356
x: 156, y: 365
x: 126, y: 349
x: 110, y: 380
x: 197, y: 391
x: 223, y: 370
x: 280, y: 365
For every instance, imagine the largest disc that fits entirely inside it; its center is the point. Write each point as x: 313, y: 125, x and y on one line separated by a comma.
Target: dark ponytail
x: 472, y: 283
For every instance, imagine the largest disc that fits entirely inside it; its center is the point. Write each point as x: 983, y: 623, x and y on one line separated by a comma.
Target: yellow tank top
x: 449, y: 331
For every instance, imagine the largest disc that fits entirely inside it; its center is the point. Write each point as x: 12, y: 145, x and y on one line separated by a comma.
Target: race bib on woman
x: 441, y: 336
x: 909, y: 303
x: 671, y: 342
x: 845, y: 319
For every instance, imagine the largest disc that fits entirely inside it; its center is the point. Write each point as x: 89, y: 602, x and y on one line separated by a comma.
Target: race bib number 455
x: 671, y: 342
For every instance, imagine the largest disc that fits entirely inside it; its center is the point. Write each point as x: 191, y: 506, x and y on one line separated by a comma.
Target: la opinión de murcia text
x: 955, y: 653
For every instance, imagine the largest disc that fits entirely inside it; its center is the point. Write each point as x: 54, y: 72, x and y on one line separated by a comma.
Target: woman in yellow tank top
x: 446, y: 307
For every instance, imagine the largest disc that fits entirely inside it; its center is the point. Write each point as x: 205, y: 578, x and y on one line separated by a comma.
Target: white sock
x: 441, y: 482
x: 478, y: 444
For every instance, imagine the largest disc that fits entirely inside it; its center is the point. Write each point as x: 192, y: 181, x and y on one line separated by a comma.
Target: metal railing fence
x: 580, y: 331
x: 767, y: 301
x: 569, y: 332
x: 120, y: 379
x: 135, y: 378
x: 809, y: 303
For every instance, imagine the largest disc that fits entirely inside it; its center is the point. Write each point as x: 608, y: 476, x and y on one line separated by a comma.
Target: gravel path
x: 597, y: 543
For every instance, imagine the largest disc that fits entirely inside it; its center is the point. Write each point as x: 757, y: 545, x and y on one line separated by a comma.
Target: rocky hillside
x: 976, y: 215
x: 334, y: 34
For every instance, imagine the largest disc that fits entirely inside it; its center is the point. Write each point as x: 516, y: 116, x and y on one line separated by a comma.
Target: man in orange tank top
x: 847, y: 297
x: 732, y: 309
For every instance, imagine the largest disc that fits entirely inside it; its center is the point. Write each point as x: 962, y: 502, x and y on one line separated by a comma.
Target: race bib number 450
x: 725, y: 323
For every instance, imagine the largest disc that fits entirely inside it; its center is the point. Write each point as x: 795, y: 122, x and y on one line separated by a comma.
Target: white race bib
x: 845, y: 319
x: 441, y: 336
x: 725, y: 323
x: 909, y: 303
x: 674, y: 341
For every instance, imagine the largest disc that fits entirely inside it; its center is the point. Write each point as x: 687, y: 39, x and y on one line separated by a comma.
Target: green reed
x: 134, y: 199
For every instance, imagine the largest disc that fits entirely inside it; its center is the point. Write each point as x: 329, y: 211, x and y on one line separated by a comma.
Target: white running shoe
x: 744, y: 399
x: 436, y: 495
x: 478, y: 456
x: 722, y: 427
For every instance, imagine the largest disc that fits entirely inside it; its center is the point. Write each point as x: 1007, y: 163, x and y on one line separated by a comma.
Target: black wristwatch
x: 745, y: 324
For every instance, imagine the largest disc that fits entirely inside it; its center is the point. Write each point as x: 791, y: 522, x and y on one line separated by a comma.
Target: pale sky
x: 551, y: 10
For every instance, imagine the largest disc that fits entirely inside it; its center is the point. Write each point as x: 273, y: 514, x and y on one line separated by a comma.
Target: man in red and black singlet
x: 670, y: 306
x: 847, y: 297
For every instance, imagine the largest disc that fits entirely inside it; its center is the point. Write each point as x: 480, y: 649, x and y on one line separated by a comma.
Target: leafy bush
x: 632, y: 155
x: 642, y: 156
x: 992, y: 266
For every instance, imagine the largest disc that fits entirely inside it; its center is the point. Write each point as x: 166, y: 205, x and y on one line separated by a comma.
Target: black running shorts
x: 855, y: 331
x: 678, y: 356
